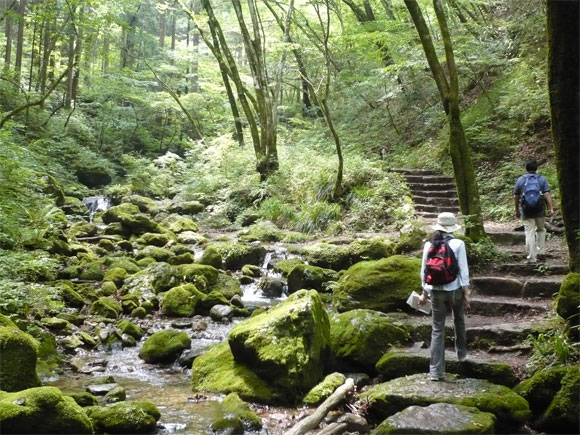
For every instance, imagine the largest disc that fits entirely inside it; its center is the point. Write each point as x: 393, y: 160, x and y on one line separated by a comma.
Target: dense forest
x: 180, y: 175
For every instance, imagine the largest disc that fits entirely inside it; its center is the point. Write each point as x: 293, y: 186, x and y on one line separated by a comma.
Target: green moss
x: 236, y: 255
x: 304, y: 276
x: 116, y: 275
x: 211, y: 257
x: 70, y: 296
x: 181, y: 301
x: 370, y: 249
x: 18, y: 353
x: 116, y: 213
x: 154, y: 239
x: 123, y: 262
x: 327, y: 256
x: 108, y: 288
x: 179, y: 224
x: 128, y: 327
x: 251, y: 270
x: 155, y: 252
x: 323, y: 390
x: 134, y: 417
x: 359, y: 338
x: 42, y: 410
x: 217, y: 371
x: 233, y: 405
x: 185, y: 258
x: 568, y: 299
x: 285, y: 266
x: 164, y: 346
x: 227, y: 285
x: 411, y: 240
x: 381, y: 285
x: 84, y: 399
x: 199, y: 273
x: 563, y: 414
x: 92, y: 271
x: 139, y: 313
x: 260, y: 232
x: 106, y: 307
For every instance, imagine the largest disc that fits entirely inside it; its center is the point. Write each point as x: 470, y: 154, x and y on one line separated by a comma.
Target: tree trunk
x: 162, y: 28
x: 8, y: 33
x: 20, y: 37
x: 467, y: 189
x: 563, y: 85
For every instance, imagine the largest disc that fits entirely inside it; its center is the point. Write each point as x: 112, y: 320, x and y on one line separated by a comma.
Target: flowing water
x: 96, y: 203
x: 169, y: 387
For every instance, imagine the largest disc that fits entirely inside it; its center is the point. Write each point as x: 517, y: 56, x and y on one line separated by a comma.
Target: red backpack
x: 441, y: 266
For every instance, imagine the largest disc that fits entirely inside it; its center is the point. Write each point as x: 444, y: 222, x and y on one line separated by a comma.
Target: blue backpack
x: 532, y: 199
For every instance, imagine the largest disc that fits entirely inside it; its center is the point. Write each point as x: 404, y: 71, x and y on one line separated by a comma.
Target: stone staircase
x: 433, y: 193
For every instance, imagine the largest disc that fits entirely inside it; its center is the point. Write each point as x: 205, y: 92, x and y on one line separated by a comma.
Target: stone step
x: 509, y: 238
x: 435, y: 200
x: 397, y: 363
x: 436, y: 208
x: 431, y: 187
x: 532, y: 269
x: 429, y: 179
x: 491, y: 306
x: 414, y: 171
x: 437, y: 193
x: 543, y: 287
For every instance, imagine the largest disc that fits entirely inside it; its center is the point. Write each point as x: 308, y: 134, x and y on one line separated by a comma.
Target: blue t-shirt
x: 519, y: 189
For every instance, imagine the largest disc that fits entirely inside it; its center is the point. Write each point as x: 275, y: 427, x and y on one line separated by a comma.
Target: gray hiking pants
x: 443, y: 301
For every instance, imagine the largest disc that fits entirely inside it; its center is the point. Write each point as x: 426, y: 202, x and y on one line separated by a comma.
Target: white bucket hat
x: 446, y: 222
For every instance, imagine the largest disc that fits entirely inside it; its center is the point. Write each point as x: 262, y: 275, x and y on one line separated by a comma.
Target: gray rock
x: 439, y: 418
x: 542, y: 287
x: 220, y: 312
x: 115, y: 395
x: 101, y: 389
x: 492, y: 285
x: 271, y: 287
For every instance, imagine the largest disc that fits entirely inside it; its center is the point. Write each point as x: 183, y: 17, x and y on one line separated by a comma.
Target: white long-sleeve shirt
x: 458, y: 248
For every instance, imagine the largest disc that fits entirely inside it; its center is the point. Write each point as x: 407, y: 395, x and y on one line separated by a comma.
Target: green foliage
x: 30, y: 266
x: 26, y: 299
x: 551, y: 349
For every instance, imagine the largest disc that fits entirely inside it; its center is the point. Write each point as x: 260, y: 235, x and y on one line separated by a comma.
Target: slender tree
x: 448, y: 85
x: 20, y: 36
x: 563, y: 83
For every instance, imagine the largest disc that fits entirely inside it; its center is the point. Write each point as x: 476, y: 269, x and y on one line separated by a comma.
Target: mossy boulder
x: 71, y: 297
x: 18, y: 353
x: 217, y: 371
x: 236, y: 255
x: 285, y: 266
x: 118, y: 212
x: 568, y: 299
x: 553, y: 396
x: 108, y: 288
x: 42, y: 410
x: 202, y: 275
x: 211, y: 257
x: 288, y: 344
x: 186, y: 207
x: 251, y: 270
x: 439, y: 418
x: 402, y: 362
x: 131, y: 417
x: 359, y: 338
x: 181, y: 301
x: 129, y: 328
x: 164, y: 346
x: 227, y: 285
x: 324, y: 389
x: 327, y: 256
x: 412, y: 238
x: 154, y: 239
x: 178, y: 224
x: 74, y: 206
x: 382, y: 285
x: 155, y: 252
x: 233, y: 405
x: 106, y: 307
x: 394, y: 396
x: 84, y: 399
x: 143, y: 203
x: 185, y: 258
x: 261, y: 232
x: 91, y: 271
x: 127, y: 263
x: 83, y: 229
x: 370, y: 249
x: 304, y: 276
x: 162, y: 276
x: 116, y: 275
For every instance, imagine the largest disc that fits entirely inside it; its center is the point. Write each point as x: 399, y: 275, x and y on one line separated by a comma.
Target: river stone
x: 116, y: 394
x: 181, y: 301
x: 211, y: 257
x: 117, y: 212
x: 358, y: 338
x: 18, y: 353
x: 500, y: 286
x: 227, y: 286
x: 285, y: 266
x: 217, y: 371
x: 393, y: 396
x: 381, y: 285
x: 131, y: 417
x: 303, y: 276
x: 324, y: 389
x: 370, y: 249
x: 154, y: 239
x: 155, y: 252
x: 220, y: 312
x: 101, y: 389
x: 164, y: 346
x: 106, y: 307
x: 233, y: 405
x: 402, y: 362
x: 145, y: 204
x: 202, y: 275
x: 187, y: 357
x: 553, y: 396
x: 186, y: 207
x: 42, y: 410
x: 327, y: 256
x: 271, y: 287
x: 439, y: 418
x: 178, y: 224
x: 273, y: 343
x: 236, y: 255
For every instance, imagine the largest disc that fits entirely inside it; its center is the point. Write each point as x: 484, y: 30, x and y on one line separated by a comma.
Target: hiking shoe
x: 462, y: 358
x: 436, y: 378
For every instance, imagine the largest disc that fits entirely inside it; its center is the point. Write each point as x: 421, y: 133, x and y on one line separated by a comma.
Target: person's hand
x: 422, y: 299
x: 551, y: 211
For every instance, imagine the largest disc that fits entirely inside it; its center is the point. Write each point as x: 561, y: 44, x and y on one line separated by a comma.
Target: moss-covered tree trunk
x: 563, y: 82
x: 467, y: 188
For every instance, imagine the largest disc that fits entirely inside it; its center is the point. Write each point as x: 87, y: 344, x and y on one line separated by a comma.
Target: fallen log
x: 314, y: 419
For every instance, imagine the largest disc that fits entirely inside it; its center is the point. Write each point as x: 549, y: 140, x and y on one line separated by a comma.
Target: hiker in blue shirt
x: 531, y: 192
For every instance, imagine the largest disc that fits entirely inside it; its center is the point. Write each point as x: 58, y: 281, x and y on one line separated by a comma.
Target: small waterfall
x: 96, y: 203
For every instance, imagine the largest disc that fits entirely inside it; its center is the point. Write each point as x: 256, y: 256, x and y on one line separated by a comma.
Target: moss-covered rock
x: 274, y: 343
x: 106, y: 307
x: 154, y: 239
x: 181, y: 301
x: 74, y: 206
x: 161, y: 276
x: 83, y: 229
x: 381, y: 285
x: 128, y: 327
x: 402, y: 362
x: 143, y: 203
x: 411, y: 239
x: 211, y: 257
x: 118, y: 212
x: 18, y: 353
x: 251, y: 270
x: 359, y: 338
x: 178, y: 224
x: 127, y: 263
x: 439, y: 418
x: 234, y: 405
x: 303, y: 276
x: 69, y: 295
x: 227, y: 285
x: 108, y: 288
x: 164, y: 346
x: 42, y: 410
x: 155, y: 252
x: 327, y: 256
x: 393, y: 396
x: 236, y: 255
x: 185, y: 258
x: 370, y: 249
x: 116, y: 275
x: 285, y: 266
x: 323, y: 390
x: 568, y: 299
x: 261, y: 232
x: 84, y: 399
x: 553, y: 396
x: 91, y: 271
x: 131, y: 417
x: 186, y: 207
x: 218, y: 371
x: 201, y: 275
